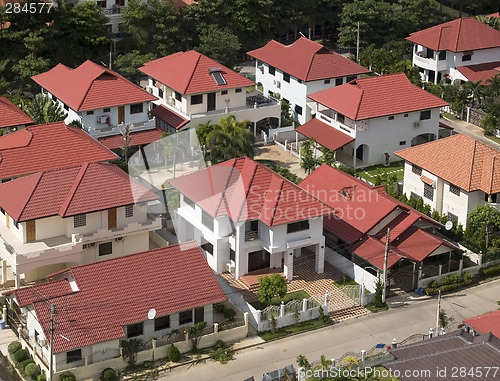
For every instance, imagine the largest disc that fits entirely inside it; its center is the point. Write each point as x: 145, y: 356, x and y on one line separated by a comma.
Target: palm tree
x: 308, y: 160
x: 494, y: 86
x: 476, y: 90
x: 490, y: 123
x: 175, y: 147
x: 44, y: 110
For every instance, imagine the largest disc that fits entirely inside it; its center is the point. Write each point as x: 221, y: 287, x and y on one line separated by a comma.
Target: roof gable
x: 373, y: 97
x: 489, y: 322
x: 11, y: 116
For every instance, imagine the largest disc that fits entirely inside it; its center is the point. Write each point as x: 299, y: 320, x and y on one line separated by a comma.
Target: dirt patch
x: 280, y: 157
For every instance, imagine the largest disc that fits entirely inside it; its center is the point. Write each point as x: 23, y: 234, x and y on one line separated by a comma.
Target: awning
x: 324, y: 134
x: 138, y: 138
x: 426, y: 180
x: 168, y: 116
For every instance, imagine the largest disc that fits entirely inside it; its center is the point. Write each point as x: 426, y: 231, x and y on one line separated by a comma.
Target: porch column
x: 354, y: 158
x: 3, y: 272
x: 255, y: 129
x: 17, y: 280
x: 288, y: 268
x: 319, y: 265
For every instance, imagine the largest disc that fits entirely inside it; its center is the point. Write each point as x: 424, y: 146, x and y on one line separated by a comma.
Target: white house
x: 192, y: 88
x: 103, y: 101
x: 11, y: 117
x: 454, y: 50
x: 152, y: 294
x: 293, y: 72
x: 246, y: 217
x: 453, y: 175
x: 74, y: 215
x: 367, y: 119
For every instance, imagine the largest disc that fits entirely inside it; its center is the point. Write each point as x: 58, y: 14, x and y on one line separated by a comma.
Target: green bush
x: 491, y: 271
x: 24, y: 363
x: 431, y: 291
x: 467, y: 278
x: 173, y: 353
x: 147, y: 364
x: 108, y: 374
x: 434, y: 284
x: 41, y: 377
x: 229, y: 313
x: 219, y: 307
x: 14, y: 347
x: 20, y: 355
x: 67, y: 376
x: 451, y: 279
x: 32, y: 371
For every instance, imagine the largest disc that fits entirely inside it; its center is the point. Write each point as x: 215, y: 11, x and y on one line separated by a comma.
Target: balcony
x: 429, y: 63
x: 119, y: 129
x: 349, y: 129
x: 116, y: 10
x: 152, y: 223
x: 251, y: 235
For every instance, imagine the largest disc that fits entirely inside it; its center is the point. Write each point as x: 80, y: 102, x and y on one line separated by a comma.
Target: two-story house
x: 292, y: 72
x: 11, y: 117
x: 246, y: 217
x: 100, y: 99
x: 192, y: 88
x: 43, y: 147
x: 74, y: 215
x: 462, y: 49
x: 453, y: 175
x: 149, y: 295
x: 367, y: 119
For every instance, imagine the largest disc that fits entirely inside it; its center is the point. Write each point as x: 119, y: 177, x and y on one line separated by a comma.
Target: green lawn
x: 448, y: 115
x: 370, y: 173
x: 345, y: 281
x: 293, y: 329
x: 296, y: 295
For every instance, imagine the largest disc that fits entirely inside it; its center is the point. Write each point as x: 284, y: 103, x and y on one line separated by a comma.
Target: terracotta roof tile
x: 11, y: 116
x: 458, y: 36
x: 324, y: 134
x: 378, y: 96
x: 459, y: 159
x: 307, y: 60
x: 156, y: 279
x: 172, y: 118
x: 189, y: 73
x: 91, y: 86
x: 70, y: 191
x: 426, y: 180
x: 485, y: 323
x: 59, y: 145
x: 480, y: 72
x: 138, y: 138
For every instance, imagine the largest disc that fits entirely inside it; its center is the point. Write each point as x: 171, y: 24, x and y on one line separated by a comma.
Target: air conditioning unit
x: 171, y: 100
x: 417, y: 124
x: 149, y: 89
x: 43, y: 342
x: 230, y: 267
x: 278, y: 84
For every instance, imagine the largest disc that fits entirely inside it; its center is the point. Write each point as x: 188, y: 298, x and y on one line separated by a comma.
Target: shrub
x: 21, y: 355
x: 219, y: 307
x: 67, y: 376
x: 108, y: 374
x: 434, y: 284
x: 491, y: 271
x: 451, y: 279
x: 430, y: 291
x: 24, y: 363
x: 173, y: 353
x: 147, y: 364
x: 229, y: 313
x: 32, y: 371
x: 41, y: 377
x: 467, y: 278
x: 14, y: 347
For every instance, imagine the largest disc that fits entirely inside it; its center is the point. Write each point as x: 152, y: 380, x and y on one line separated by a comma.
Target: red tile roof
x: 307, y: 60
x: 91, y: 86
x: 485, y: 323
x: 171, y: 117
x: 105, y: 302
x: 48, y: 146
x: 459, y: 35
x: 480, y: 72
x: 138, y: 138
x: 68, y: 191
x: 496, y: 14
x: 459, y: 159
x: 417, y: 244
x: 244, y: 189
x: 373, y: 250
x: 189, y: 73
x: 324, y: 134
x: 11, y: 116
x: 378, y: 96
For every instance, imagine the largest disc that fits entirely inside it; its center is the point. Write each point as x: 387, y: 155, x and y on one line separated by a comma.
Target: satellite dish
x: 151, y: 314
x: 448, y: 225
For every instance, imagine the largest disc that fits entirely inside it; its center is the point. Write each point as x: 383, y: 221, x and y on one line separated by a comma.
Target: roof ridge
x: 458, y: 33
x: 277, y: 200
x: 254, y: 171
x: 193, y: 71
x: 40, y: 175
x: 223, y: 198
x: 472, y: 164
x: 71, y: 193
x: 91, y: 82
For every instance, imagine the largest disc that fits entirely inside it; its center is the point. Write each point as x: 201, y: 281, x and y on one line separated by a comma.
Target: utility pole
x: 51, y: 351
x: 386, y: 255
x: 438, y: 312
x: 357, y: 46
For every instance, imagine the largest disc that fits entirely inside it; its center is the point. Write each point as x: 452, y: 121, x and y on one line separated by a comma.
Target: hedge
x: 449, y: 283
x: 67, y: 376
x: 14, y: 347
x: 20, y: 355
x: 32, y: 371
x: 491, y: 271
x: 108, y: 374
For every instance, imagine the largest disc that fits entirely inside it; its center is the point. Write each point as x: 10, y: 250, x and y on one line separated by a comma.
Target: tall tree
x: 221, y: 45
x: 44, y: 110
x: 483, y: 225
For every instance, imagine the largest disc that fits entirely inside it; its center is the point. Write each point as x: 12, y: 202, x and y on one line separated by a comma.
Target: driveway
x: 471, y: 130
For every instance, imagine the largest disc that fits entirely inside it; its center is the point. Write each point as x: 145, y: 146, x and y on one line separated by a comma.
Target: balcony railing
x: 251, y: 235
x: 120, y: 128
x: 349, y: 130
x: 112, y: 11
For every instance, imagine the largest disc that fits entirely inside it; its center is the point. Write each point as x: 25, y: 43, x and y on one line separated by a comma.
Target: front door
x: 112, y: 218
x: 257, y: 260
x: 359, y: 152
x: 30, y: 231
x: 121, y: 114
x: 210, y: 101
x: 199, y: 314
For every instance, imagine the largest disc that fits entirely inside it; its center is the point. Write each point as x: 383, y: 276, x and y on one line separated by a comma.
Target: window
x: 160, y: 93
x: 232, y: 255
x: 452, y: 217
x: 428, y: 191
x: 107, y: 109
x: 66, y: 107
x: 162, y: 323
x: 91, y: 112
x: 178, y: 96
x: 136, y: 108
x: 54, y: 98
x: 402, y: 143
x: 73, y: 356
x: 416, y: 170
x: 189, y: 202
x: 105, y: 248
x: 298, y: 110
x: 238, y: 90
x: 326, y: 82
x: 467, y: 57
x: 339, y: 81
x: 415, y: 196
x: 490, y: 197
x: 79, y: 220
x: 223, y: 92
x: 429, y: 53
x: 350, y: 78
x: 340, y: 118
x: 207, y: 220
x: 297, y: 226
x: 442, y: 55
x: 134, y: 330
x: 405, y: 115
x: 129, y: 211
x: 185, y: 317
x: 208, y: 247
x: 424, y: 115
x: 272, y: 70
x: 101, y: 3
x: 196, y: 99
x: 454, y: 189
x: 286, y: 77
x: 390, y: 117
x: 299, y: 81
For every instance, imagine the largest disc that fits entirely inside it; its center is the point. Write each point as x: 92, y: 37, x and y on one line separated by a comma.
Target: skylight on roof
x: 217, y: 74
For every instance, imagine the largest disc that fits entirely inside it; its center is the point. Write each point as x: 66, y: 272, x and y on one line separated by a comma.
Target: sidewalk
x: 6, y: 337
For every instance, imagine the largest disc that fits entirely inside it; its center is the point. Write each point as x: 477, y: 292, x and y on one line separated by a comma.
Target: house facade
x: 455, y: 50
x: 367, y: 119
x: 100, y: 99
x: 453, y: 175
x: 191, y: 89
x: 250, y: 218
x: 11, y: 117
x: 69, y: 216
x: 143, y: 279
x: 293, y: 72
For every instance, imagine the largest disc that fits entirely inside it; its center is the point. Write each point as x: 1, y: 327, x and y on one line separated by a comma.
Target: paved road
x: 406, y: 317
x: 472, y: 130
